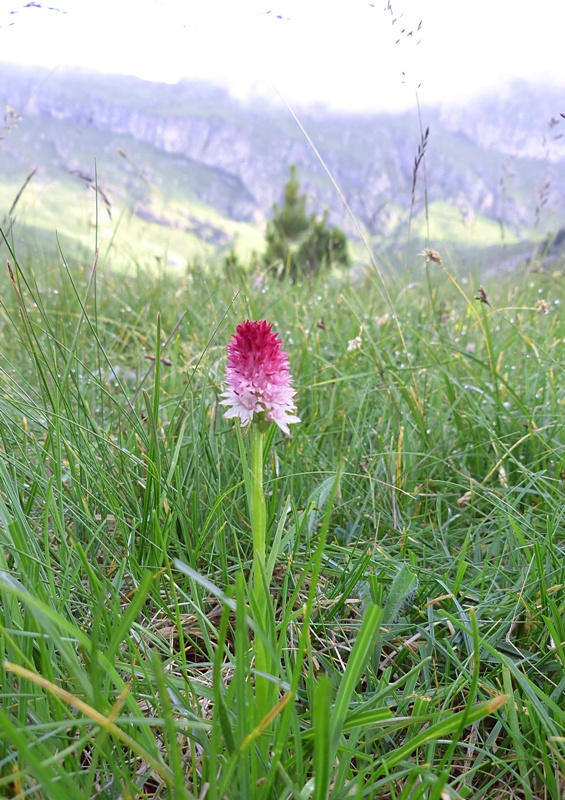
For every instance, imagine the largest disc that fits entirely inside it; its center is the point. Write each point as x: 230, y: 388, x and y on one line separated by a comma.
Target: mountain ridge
x: 503, y: 159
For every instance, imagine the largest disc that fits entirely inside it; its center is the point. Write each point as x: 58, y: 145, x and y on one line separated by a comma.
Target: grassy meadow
x: 415, y: 625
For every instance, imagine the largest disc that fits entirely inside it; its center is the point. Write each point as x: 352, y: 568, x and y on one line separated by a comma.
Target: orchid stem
x: 257, y: 507
x: 258, y: 527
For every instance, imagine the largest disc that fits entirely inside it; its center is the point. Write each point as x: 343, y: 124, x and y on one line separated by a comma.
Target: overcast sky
x: 348, y: 54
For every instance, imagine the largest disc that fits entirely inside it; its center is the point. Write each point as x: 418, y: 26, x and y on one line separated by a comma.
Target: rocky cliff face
x: 493, y: 159
x: 520, y: 120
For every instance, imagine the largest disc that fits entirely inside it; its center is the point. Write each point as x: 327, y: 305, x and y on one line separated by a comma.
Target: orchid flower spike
x: 259, y: 385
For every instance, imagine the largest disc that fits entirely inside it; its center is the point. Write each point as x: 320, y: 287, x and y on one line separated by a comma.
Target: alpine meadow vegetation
x: 233, y: 571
